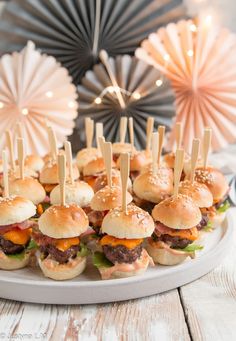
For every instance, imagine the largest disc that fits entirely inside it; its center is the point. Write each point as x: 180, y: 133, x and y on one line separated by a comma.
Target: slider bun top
x: 28, y: 188
x: 214, y: 180
x: 137, y: 161
x: 95, y: 166
x: 169, y: 159
x: 108, y: 198
x: 154, y: 188
x: 49, y: 173
x: 85, y: 155
x: 199, y: 192
x: 79, y: 193
x: 177, y: 212
x: 136, y: 223
x: 34, y: 162
x: 63, y: 221
x: 15, y: 209
x: 118, y: 148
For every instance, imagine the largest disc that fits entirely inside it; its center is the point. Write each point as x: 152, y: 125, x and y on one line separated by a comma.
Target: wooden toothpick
x: 206, y: 145
x: 99, y: 133
x: 19, y: 129
x: 53, y: 143
x: 107, y: 150
x: 178, y: 134
x: 69, y: 161
x: 124, y: 172
x: 131, y: 133
x: 161, y: 131
x: 149, y: 131
x: 179, y: 163
x: 123, y: 128
x: 62, y: 177
x: 21, y: 156
x: 89, y: 128
x: 5, y: 174
x: 194, y: 158
x: 10, y: 148
x: 155, y: 143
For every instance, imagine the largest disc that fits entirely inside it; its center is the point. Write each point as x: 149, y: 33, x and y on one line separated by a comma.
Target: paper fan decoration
x: 74, y: 31
x: 131, y: 88
x: 199, y: 59
x: 34, y: 88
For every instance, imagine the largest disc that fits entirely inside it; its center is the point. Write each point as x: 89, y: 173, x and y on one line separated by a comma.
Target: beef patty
x: 10, y: 248
x: 173, y: 242
x: 58, y: 255
x: 122, y: 254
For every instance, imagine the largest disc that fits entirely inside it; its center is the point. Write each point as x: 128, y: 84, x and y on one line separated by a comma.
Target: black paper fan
x: 145, y: 92
x: 67, y: 30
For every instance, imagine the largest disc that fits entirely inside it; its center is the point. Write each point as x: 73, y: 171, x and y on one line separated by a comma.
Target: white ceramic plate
x: 29, y: 285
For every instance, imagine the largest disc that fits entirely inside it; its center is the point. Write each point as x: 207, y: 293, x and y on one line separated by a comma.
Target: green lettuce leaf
x: 100, y: 261
x: 19, y: 256
x: 208, y: 227
x: 32, y: 245
x: 83, y: 251
x: 192, y: 248
x: 224, y: 207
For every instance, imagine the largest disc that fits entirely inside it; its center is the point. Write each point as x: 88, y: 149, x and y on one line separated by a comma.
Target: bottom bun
x: 61, y: 272
x: 217, y: 219
x: 9, y: 263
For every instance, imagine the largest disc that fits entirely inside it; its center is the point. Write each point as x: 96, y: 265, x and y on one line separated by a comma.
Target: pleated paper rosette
x: 199, y: 59
x: 74, y: 31
x: 35, y: 89
x: 141, y: 95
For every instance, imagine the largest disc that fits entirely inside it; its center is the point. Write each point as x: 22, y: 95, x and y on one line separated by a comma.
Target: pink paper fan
x: 34, y: 88
x: 200, y: 62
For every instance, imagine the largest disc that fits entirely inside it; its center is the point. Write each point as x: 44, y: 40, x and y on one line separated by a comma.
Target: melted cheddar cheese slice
x: 191, y: 234
x: 112, y: 241
x: 20, y: 237
x: 65, y: 244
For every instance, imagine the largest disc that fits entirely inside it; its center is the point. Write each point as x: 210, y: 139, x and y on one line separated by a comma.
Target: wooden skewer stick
x: 107, y: 150
x: 69, y: 161
x: 178, y: 134
x: 206, y: 145
x: 53, y: 143
x: 21, y: 156
x: 124, y: 172
x: 161, y: 131
x: 99, y: 133
x: 179, y: 163
x: 155, y: 143
x: 5, y: 174
x: 149, y: 131
x: 123, y: 128
x: 10, y: 148
x: 62, y: 177
x: 89, y: 128
x: 131, y: 133
x: 194, y: 158
x: 101, y: 141
x: 19, y: 129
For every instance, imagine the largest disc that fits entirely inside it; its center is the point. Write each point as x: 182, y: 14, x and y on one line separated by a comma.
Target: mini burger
x: 169, y: 161
x: 101, y: 180
x: 93, y: 170
x: 202, y: 197
x: 34, y: 162
x: 150, y: 188
x: 137, y: 162
x: 84, y: 156
x: 218, y: 186
x: 79, y: 193
x: 60, y: 254
x: 120, y: 148
x: 15, y: 232
x: 123, y: 253
x: 104, y: 200
x: 176, y: 220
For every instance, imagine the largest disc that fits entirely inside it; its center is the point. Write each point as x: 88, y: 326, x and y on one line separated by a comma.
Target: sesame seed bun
x: 63, y: 221
x: 85, y: 155
x: 136, y: 223
x: 177, y: 212
x: 49, y: 173
x: 199, y: 192
x: 79, y: 193
x: 137, y: 161
x: 214, y: 180
x: 118, y: 148
x: 28, y: 188
x: 61, y: 272
x: 154, y: 187
x: 95, y: 166
x: 9, y: 263
x: 15, y: 209
x: 169, y: 159
x: 101, y: 180
x: 108, y: 198
x: 34, y: 162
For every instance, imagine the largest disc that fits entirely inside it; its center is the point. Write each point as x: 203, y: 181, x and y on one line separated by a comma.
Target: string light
x: 98, y: 100
x: 25, y: 111
x: 159, y: 82
x: 136, y: 95
x: 190, y: 53
x: 111, y: 89
x: 208, y: 19
x: 1, y: 105
x: 193, y: 28
x: 49, y: 94
x: 71, y: 104
x: 166, y: 57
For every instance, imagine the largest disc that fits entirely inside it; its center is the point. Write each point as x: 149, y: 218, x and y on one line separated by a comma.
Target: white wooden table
x: 202, y: 310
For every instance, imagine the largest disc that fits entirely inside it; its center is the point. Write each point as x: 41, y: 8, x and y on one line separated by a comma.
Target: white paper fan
x: 142, y: 97
x: 199, y: 59
x: 34, y: 88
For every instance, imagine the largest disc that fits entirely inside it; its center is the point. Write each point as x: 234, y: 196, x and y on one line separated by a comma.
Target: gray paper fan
x: 135, y: 78
x: 74, y: 31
